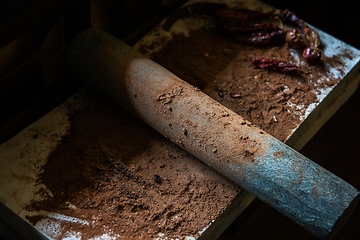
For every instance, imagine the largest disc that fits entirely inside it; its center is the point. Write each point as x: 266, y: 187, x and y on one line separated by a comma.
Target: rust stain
x: 249, y: 152
x: 315, y: 192
x: 278, y: 154
x: 300, y: 176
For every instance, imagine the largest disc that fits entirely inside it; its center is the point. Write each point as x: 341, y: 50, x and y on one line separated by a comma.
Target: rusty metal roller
x: 275, y: 173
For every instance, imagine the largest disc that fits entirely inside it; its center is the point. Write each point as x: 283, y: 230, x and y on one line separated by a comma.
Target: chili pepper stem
x: 281, y: 23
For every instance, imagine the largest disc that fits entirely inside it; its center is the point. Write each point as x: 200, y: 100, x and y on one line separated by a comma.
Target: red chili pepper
x: 242, y: 14
x: 262, y: 38
x: 276, y: 65
x: 295, y: 39
x: 288, y: 16
x: 312, y: 54
x: 234, y: 21
x: 243, y: 27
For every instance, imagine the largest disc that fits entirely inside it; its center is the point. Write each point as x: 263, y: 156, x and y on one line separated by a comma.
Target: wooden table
x: 23, y: 158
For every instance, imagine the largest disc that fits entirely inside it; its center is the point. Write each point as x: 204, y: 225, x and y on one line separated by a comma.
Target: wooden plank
x: 10, y: 8
x: 77, y: 17
x: 14, y: 227
x: 19, y: 91
x: 28, y: 19
x: 303, y: 135
x: 21, y: 74
x: 225, y: 219
x: 21, y: 120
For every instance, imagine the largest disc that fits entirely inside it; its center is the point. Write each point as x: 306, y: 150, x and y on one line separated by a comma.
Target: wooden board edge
x: 226, y: 218
x: 326, y: 114
x: 16, y: 227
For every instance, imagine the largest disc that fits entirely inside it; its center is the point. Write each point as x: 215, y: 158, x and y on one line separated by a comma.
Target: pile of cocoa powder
x: 112, y: 174
x: 222, y: 68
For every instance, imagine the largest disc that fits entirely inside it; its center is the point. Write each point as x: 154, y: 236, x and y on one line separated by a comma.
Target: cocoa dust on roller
x: 300, y: 189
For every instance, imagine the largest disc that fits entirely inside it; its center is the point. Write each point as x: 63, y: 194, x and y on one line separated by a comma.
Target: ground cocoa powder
x: 112, y: 174
x: 222, y: 68
x: 103, y: 171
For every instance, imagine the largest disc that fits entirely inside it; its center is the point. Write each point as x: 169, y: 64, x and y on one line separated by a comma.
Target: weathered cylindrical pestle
x: 275, y: 173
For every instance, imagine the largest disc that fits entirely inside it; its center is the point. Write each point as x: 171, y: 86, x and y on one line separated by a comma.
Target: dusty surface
x: 114, y: 176
x: 222, y: 69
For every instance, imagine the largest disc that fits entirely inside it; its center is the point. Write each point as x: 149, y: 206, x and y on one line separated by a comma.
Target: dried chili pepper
x: 262, y: 38
x: 242, y: 14
x: 276, y: 65
x: 312, y: 53
x: 193, y: 10
x: 311, y: 35
x: 294, y: 39
x: 243, y: 27
x: 235, y: 21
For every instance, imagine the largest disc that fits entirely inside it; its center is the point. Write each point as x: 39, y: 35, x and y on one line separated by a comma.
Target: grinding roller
x: 300, y: 189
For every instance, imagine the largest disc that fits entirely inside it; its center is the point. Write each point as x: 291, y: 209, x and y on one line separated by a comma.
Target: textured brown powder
x: 105, y: 166
x: 222, y: 69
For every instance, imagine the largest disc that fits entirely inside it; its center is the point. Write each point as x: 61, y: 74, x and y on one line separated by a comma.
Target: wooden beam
x: 26, y: 18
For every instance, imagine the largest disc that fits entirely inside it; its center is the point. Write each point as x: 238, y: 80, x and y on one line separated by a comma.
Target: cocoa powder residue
x: 117, y: 176
x: 222, y: 68
x: 112, y: 174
